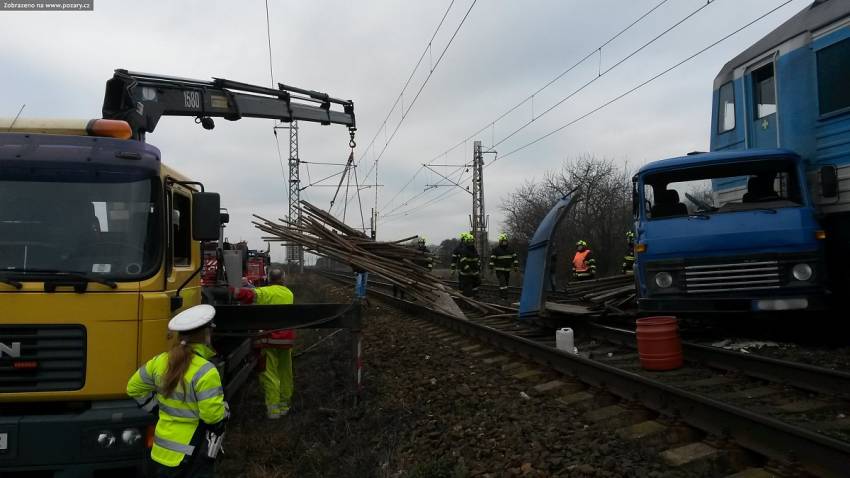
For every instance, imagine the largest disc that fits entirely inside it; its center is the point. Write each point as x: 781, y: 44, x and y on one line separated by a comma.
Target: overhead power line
x: 410, y: 105
x: 613, y: 100
x: 641, y: 85
x: 406, y: 83
x: 530, y: 97
x: 596, y: 51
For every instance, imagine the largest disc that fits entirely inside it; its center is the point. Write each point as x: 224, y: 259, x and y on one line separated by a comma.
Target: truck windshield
x: 764, y: 185
x: 100, y: 229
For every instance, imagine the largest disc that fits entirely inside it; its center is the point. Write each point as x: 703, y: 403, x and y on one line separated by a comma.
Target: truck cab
x: 762, y: 222
x: 97, y: 239
x: 700, y: 251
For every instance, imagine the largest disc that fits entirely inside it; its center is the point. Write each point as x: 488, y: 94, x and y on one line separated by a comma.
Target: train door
x: 763, y: 127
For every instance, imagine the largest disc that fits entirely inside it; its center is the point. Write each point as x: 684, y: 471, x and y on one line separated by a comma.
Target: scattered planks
x: 324, y: 235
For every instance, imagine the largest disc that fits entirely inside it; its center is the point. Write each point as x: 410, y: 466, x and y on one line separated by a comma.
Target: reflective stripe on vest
x: 201, y: 372
x: 173, y: 445
x: 580, y: 261
x: 146, y: 377
x: 178, y: 412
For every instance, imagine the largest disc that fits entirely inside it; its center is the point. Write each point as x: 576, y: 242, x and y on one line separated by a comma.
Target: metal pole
x: 294, y: 252
x: 479, y: 221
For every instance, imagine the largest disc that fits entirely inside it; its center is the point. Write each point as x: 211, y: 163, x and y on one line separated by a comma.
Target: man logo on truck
x: 14, y: 351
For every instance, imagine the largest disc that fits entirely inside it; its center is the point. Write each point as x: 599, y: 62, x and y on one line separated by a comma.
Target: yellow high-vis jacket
x: 199, y: 398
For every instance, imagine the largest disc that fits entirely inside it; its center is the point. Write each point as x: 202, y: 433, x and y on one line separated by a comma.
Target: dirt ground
x: 427, y: 410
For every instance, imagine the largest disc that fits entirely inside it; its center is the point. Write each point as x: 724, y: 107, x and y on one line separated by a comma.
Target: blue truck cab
x: 762, y: 222
x: 696, y: 254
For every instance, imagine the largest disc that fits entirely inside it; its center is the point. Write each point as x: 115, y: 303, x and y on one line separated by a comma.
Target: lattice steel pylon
x: 294, y: 252
x: 479, y: 217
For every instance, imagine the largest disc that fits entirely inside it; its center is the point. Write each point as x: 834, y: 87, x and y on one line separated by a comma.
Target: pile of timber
x: 326, y: 236
x: 615, y: 294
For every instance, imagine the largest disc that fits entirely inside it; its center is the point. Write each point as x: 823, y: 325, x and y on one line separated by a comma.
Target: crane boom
x: 142, y: 99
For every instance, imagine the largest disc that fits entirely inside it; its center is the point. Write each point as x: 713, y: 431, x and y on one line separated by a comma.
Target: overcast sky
x: 57, y: 64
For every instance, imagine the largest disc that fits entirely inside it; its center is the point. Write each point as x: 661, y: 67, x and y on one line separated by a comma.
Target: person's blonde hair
x: 179, y: 359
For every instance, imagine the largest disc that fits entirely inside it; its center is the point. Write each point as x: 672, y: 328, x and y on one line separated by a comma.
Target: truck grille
x: 741, y: 276
x: 51, y: 358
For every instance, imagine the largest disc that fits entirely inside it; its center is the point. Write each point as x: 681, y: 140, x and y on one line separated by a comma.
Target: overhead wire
x: 406, y: 83
x: 623, y: 95
x: 433, y: 68
x: 603, y: 73
x: 641, y: 85
x: 557, y: 77
x: 529, y: 97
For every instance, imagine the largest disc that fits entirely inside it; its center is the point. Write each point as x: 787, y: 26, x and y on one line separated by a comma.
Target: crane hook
x: 352, y: 144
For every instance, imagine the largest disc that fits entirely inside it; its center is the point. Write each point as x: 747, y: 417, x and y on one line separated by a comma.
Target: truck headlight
x: 802, y: 272
x: 106, y: 439
x: 663, y: 280
x: 131, y: 436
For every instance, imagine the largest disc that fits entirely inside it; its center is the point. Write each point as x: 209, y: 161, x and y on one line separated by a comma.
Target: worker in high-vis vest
x: 503, y: 260
x: 629, y: 258
x: 275, y: 346
x: 584, y: 265
x: 186, y: 389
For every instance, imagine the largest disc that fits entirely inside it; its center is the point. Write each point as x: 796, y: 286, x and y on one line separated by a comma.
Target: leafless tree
x: 601, y: 216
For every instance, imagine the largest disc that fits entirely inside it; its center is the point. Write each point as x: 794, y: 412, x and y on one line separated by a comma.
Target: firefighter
x: 275, y: 346
x: 503, y: 260
x: 187, y: 389
x: 467, y: 262
x: 456, y: 254
x: 629, y: 258
x: 426, y: 260
x: 584, y: 265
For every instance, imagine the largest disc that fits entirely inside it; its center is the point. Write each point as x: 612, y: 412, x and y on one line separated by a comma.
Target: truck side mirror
x: 829, y: 181
x: 205, y: 216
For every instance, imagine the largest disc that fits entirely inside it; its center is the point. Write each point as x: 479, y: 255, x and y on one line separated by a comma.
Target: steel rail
x: 768, y: 436
x: 799, y: 375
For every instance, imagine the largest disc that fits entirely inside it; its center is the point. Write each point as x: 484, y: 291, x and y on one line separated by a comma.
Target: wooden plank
x: 569, y: 309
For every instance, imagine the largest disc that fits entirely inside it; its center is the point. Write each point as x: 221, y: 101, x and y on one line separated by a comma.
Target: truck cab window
x: 833, y: 77
x: 764, y: 89
x: 726, y: 108
x: 716, y: 189
x: 181, y: 229
x: 106, y: 228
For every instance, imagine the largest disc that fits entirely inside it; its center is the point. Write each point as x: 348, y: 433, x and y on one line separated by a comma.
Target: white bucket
x: 564, y: 340
x: 233, y: 267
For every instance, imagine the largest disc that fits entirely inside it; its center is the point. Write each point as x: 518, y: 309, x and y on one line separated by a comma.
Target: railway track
x: 787, y: 413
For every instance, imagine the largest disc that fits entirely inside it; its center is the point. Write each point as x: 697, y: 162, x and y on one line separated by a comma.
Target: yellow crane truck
x: 100, y: 245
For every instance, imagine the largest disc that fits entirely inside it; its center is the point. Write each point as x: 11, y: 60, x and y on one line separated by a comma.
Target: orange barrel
x: 659, y: 346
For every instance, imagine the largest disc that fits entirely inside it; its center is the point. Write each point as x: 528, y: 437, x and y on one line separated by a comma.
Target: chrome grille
x: 741, y: 276
x: 52, y: 358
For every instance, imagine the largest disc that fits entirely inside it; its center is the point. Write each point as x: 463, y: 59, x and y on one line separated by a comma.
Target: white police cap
x: 192, y: 318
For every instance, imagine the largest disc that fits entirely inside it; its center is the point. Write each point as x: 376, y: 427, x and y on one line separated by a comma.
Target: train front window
x: 834, y: 77
x: 107, y: 229
x: 764, y: 87
x: 726, y: 108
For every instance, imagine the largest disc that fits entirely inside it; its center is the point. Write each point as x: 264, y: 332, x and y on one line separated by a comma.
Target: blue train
x: 762, y: 222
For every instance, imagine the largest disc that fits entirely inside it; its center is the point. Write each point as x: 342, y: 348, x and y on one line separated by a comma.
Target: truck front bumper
x: 65, y: 444
x: 766, y: 304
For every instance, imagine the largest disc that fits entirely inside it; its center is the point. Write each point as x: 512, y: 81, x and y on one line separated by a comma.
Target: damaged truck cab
x: 761, y: 223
